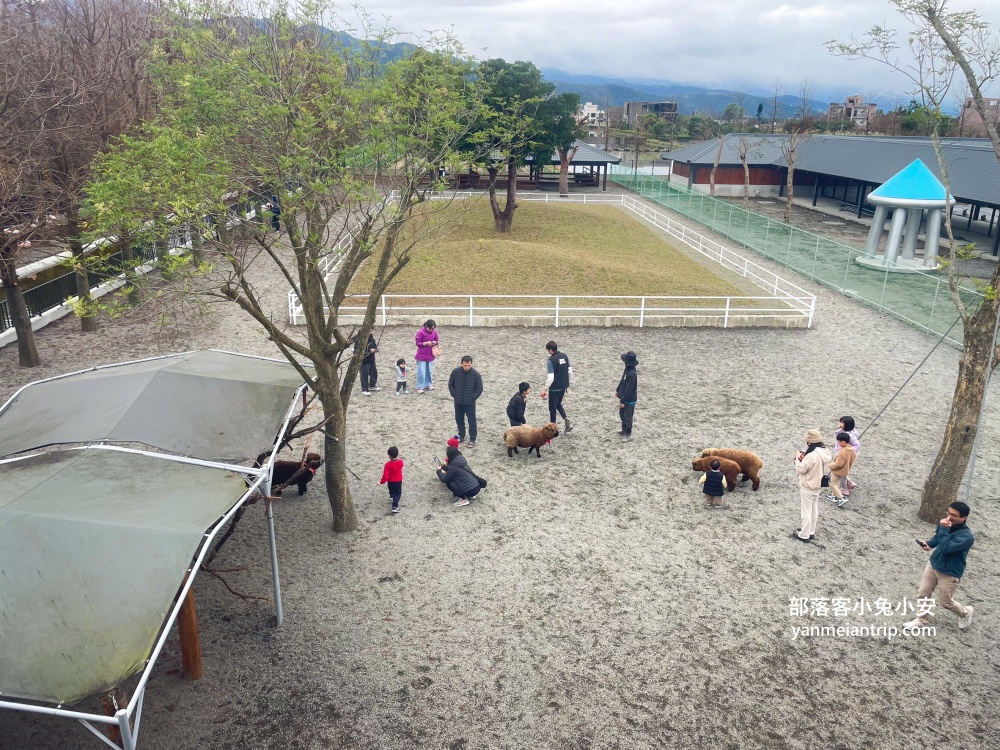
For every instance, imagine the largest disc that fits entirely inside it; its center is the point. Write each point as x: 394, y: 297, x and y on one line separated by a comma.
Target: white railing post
x: 383, y: 311
x: 471, y: 298
x: 812, y: 311
x: 642, y: 311
x: 557, y: 312
x: 725, y: 319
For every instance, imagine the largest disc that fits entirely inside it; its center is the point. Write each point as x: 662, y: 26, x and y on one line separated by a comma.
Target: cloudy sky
x: 714, y: 43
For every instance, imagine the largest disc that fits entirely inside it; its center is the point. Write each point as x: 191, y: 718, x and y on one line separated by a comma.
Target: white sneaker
x: 366, y: 393
x: 966, y: 621
x: 914, y: 624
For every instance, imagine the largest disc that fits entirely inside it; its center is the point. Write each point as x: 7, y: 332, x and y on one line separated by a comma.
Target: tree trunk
x: 789, y: 186
x: 503, y: 220
x: 27, y: 353
x: 338, y: 490
x: 945, y: 479
x: 88, y: 323
x: 746, y: 182
x: 565, y: 157
x: 715, y: 166
x: 197, y: 250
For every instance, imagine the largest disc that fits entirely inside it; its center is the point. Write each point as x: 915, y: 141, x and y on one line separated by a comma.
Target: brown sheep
x: 294, y: 472
x: 750, y: 463
x: 730, y: 469
x: 532, y: 438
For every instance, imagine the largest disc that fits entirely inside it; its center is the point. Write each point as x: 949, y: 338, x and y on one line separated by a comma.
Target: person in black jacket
x: 626, y: 393
x: 369, y: 375
x: 559, y: 378
x: 459, y: 477
x: 515, y: 408
x: 465, y: 385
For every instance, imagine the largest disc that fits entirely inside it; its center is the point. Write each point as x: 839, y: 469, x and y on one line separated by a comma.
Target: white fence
x: 785, y: 304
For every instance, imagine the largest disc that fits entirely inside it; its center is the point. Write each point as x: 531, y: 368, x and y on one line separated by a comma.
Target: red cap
x: 453, y: 442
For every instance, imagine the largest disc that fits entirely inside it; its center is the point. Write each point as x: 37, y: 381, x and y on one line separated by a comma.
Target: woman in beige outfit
x: 811, y: 465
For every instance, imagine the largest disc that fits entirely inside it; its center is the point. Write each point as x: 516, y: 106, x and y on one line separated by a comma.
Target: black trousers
x: 515, y: 423
x: 555, y: 405
x: 463, y: 411
x: 627, y: 412
x: 369, y: 376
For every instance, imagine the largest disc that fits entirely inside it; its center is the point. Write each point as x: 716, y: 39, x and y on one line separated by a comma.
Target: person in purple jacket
x: 427, y: 339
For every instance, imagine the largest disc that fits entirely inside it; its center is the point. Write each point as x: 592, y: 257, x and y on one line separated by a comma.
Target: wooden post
x: 110, y: 703
x: 187, y: 626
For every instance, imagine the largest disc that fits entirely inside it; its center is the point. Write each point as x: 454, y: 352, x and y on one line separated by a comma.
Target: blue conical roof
x: 914, y: 183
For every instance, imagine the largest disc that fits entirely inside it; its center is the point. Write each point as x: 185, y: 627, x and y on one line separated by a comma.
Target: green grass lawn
x: 567, y: 249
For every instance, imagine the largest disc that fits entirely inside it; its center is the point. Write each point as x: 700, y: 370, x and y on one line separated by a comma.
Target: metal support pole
x: 128, y: 739
x: 278, y: 612
x: 875, y: 232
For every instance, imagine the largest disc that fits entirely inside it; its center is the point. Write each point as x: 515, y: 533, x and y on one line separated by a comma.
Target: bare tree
x: 788, y: 148
x: 718, y: 158
x: 806, y: 90
x: 746, y: 148
x: 777, y: 108
x: 939, y: 45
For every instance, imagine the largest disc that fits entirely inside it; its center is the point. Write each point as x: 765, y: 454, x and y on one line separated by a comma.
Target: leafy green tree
x: 509, y: 130
x: 943, y: 44
x: 263, y: 100
x: 559, y: 130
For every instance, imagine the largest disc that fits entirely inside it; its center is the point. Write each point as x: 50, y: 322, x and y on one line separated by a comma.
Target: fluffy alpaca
x: 293, y: 472
x: 532, y: 438
x: 730, y: 469
x: 750, y: 463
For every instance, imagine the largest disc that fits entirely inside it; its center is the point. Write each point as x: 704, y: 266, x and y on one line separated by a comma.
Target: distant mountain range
x: 690, y: 99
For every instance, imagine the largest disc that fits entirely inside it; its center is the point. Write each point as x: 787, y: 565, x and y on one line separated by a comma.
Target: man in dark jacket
x: 459, y: 477
x: 369, y: 375
x: 465, y: 385
x: 626, y: 393
x: 951, y: 544
x: 516, y: 405
x: 558, y: 380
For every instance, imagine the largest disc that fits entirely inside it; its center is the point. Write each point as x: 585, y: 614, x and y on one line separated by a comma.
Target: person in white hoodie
x: 811, y: 466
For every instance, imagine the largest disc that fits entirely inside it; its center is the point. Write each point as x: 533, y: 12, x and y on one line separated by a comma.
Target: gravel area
x: 586, y: 599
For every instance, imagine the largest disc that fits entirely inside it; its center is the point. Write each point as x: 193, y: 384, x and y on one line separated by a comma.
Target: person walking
x: 517, y: 404
x: 950, y: 544
x: 369, y: 373
x: 626, y: 393
x: 560, y: 375
x: 811, y: 465
x: 427, y: 350
x: 392, y: 474
x: 465, y: 386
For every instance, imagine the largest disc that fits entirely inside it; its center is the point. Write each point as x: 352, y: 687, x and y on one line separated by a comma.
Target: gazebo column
x: 913, y: 219
x: 875, y: 233
x: 933, y: 237
x: 895, y: 235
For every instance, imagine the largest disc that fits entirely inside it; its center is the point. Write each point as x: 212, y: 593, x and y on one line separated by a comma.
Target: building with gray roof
x: 846, y: 168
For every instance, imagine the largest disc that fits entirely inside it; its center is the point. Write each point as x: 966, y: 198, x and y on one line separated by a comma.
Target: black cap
x: 629, y: 358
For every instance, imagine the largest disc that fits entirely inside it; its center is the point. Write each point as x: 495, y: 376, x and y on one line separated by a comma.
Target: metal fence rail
x: 920, y: 299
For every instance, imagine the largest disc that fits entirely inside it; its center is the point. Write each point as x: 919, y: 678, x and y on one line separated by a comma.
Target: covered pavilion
x: 99, y: 544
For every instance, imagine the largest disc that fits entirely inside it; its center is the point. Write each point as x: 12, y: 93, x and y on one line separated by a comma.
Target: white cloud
x: 712, y: 42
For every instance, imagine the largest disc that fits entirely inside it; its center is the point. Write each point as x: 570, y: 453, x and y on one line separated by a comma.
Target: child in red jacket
x: 392, y: 474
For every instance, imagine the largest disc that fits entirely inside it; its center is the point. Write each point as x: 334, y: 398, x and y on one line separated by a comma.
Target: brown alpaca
x: 729, y: 469
x: 293, y: 472
x: 532, y: 438
x: 750, y: 463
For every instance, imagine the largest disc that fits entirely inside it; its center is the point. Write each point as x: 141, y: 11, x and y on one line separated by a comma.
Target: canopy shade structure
x: 94, y: 545
x: 212, y: 405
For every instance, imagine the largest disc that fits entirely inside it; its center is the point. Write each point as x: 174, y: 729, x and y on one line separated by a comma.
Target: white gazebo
x: 909, y: 194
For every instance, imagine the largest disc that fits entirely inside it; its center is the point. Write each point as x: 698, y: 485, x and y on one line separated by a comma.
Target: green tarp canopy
x: 208, y: 404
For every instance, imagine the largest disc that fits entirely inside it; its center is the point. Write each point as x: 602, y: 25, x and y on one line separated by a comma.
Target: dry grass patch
x: 567, y: 249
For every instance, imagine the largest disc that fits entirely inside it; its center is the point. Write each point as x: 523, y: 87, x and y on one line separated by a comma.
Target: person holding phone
x: 427, y: 350
x: 949, y: 548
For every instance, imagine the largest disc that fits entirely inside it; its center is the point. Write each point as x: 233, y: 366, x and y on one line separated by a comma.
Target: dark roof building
x: 846, y: 166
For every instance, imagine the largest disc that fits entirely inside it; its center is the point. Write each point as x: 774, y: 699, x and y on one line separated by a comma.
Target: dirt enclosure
x: 586, y: 599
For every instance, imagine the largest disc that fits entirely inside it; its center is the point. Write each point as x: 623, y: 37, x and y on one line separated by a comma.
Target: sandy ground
x: 587, y: 600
